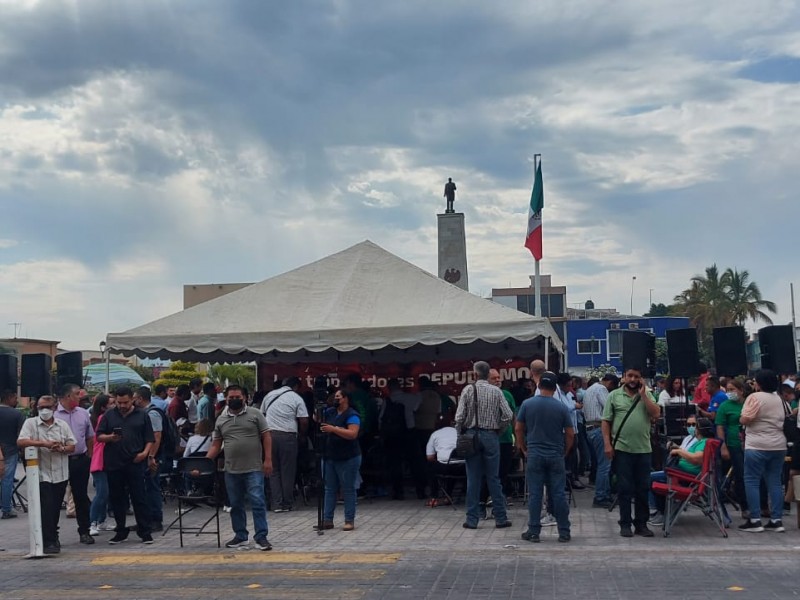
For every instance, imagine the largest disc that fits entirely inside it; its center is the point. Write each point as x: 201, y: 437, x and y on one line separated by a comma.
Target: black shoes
x: 625, y: 531
x: 774, y: 526
x: 503, y: 525
x: 530, y: 537
x: 237, y: 542
x: 52, y: 549
x: 262, y: 543
x: 118, y: 538
x: 643, y: 531
x: 564, y: 538
x: 157, y: 526
x: 603, y: 504
x: 146, y: 538
x: 9, y: 515
x: 466, y: 525
x: 87, y: 539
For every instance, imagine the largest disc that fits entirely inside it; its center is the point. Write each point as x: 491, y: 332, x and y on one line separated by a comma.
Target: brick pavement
x: 403, y: 550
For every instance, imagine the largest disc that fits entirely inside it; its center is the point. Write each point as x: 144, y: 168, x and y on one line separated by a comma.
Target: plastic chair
x: 683, y: 489
x: 199, y: 474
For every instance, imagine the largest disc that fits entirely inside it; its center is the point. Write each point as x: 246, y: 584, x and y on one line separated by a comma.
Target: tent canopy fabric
x: 356, y: 302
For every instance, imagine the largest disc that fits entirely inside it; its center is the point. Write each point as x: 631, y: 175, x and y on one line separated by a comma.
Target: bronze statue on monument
x: 450, y: 194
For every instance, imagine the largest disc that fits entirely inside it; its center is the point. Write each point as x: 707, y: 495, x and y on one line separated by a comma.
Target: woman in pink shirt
x: 764, y: 450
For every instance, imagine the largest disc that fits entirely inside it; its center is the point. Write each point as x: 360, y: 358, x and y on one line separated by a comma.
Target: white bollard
x: 34, y: 503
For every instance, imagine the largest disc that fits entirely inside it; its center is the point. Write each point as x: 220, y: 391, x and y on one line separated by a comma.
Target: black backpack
x: 393, y: 419
x: 169, y: 435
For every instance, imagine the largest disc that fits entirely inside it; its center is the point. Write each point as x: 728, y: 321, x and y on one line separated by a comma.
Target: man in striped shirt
x: 594, y: 401
x: 56, y: 442
x: 483, y: 408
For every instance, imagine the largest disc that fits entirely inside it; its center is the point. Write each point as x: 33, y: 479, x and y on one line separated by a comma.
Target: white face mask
x: 45, y: 414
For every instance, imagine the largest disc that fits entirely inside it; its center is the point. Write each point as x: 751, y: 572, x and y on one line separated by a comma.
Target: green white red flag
x: 533, y: 241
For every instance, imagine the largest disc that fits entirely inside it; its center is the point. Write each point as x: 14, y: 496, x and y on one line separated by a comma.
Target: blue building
x: 593, y: 342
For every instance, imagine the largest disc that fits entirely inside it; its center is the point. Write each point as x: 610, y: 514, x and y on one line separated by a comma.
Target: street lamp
x: 633, y: 280
x: 651, y: 297
x: 106, y: 358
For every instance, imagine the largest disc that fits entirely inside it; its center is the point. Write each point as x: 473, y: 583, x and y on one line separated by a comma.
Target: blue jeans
x: 485, y: 463
x: 99, y: 507
x: 547, y: 471
x: 247, y: 486
x: 152, y: 497
x: 766, y: 464
x: 341, y: 474
x: 655, y: 503
x: 7, y: 483
x: 602, y: 482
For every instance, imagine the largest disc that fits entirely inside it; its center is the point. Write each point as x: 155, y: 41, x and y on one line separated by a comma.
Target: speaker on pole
x: 36, y: 378
x: 682, y: 352
x: 730, y: 351
x: 639, y: 351
x: 69, y: 369
x: 777, y: 348
x: 8, y: 372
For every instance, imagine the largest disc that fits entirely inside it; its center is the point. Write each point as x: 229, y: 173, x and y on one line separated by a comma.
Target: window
x: 589, y: 346
x: 614, y: 341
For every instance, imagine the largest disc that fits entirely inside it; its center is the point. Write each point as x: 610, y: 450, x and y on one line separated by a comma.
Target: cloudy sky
x: 144, y: 145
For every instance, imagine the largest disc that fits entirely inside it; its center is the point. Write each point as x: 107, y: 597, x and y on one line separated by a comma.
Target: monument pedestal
x: 453, y: 249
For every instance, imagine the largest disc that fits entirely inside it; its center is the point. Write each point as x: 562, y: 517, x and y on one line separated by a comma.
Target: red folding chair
x: 683, y: 490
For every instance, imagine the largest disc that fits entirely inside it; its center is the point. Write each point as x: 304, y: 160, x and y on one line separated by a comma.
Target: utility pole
x: 16, y: 326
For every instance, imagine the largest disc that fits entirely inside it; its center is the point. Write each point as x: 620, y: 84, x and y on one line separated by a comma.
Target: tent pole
x: 108, y: 368
x: 546, y: 352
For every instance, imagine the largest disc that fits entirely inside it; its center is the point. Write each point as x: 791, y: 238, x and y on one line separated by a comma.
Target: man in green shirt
x: 727, y: 422
x: 629, y: 448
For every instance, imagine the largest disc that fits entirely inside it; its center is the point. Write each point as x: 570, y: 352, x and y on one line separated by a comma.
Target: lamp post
x: 633, y: 280
x: 105, y: 356
x: 651, y: 297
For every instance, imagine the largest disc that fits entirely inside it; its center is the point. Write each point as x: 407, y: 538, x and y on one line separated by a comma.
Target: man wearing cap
x: 545, y: 434
x: 287, y: 421
x: 594, y: 401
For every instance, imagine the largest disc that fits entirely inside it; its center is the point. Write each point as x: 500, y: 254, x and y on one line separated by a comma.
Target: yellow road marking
x: 352, y: 574
x: 185, y: 592
x: 106, y: 587
x: 247, y: 558
x: 735, y: 588
x: 253, y: 586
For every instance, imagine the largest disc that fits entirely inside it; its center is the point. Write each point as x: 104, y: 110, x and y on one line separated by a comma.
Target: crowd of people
x: 564, y: 433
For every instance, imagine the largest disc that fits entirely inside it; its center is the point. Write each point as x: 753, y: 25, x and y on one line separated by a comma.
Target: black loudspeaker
x: 69, y: 369
x: 730, y: 351
x: 777, y: 349
x: 682, y: 353
x: 36, y: 379
x: 639, y: 351
x: 8, y: 372
x: 675, y: 416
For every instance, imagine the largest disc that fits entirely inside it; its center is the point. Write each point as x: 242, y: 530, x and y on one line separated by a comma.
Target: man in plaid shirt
x: 483, y: 408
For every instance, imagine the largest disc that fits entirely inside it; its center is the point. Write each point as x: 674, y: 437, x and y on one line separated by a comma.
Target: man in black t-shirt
x: 11, y: 421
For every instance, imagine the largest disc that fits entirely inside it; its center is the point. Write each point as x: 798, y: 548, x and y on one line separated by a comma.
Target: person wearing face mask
x: 248, y: 459
x: 56, y: 442
x: 727, y: 422
x: 128, y: 436
x: 656, y: 515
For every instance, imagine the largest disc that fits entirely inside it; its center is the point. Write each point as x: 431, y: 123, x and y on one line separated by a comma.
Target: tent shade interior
x: 346, y: 307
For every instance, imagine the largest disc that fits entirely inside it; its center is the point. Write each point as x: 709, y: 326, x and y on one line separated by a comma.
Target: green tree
x: 662, y: 362
x: 658, y: 310
x: 745, y: 298
x: 178, y: 373
x: 229, y: 374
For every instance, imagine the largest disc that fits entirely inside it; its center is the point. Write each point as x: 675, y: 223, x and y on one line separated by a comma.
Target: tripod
x: 320, y: 443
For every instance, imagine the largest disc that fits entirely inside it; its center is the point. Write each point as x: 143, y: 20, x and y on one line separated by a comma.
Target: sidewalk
x: 384, y: 525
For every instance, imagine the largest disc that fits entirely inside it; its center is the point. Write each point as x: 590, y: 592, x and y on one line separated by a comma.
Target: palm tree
x: 706, y: 302
x: 745, y: 298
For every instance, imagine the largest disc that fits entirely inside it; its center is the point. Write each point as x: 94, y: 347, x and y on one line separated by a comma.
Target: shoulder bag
x: 468, y: 444
x: 790, y: 430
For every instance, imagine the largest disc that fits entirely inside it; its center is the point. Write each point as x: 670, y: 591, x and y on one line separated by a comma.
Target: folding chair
x: 683, y: 490
x: 444, y: 478
x: 17, y: 499
x: 199, y: 474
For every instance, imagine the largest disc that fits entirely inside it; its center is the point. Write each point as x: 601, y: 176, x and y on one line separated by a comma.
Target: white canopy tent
x: 362, y: 304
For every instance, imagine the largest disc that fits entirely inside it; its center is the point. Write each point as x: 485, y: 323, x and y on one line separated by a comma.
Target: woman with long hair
x: 672, y: 393
x: 98, y: 510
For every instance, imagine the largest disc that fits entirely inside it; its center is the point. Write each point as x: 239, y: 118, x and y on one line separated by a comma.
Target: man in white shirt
x: 196, y: 387
x: 594, y: 401
x: 56, y: 442
x: 287, y: 420
x: 439, y: 451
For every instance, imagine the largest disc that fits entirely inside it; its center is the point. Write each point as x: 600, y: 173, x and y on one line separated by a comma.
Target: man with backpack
x: 163, y: 450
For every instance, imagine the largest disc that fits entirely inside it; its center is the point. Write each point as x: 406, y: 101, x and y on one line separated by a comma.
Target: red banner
x: 451, y: 375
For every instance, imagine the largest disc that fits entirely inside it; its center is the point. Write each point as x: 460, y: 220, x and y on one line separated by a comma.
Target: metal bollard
x: 34, y: 503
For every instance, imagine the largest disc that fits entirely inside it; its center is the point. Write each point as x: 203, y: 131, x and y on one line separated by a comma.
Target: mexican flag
x: 533, y: 241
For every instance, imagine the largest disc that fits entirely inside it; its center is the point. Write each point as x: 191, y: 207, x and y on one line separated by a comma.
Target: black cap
x: 548, y: 377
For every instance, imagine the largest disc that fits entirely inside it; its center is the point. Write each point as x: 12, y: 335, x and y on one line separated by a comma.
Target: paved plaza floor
x: 402, y: 549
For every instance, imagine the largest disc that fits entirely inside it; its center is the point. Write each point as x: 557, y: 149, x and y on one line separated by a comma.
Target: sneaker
x: 226, y: 509
x: 120, y: 537
x: 106, y: 526
x: 752, y: 526
x: 348, y: 527
x: 87, y: 539
x: 466, y: 525
x: 625, y: 531
x: 147, y: 538
x: 548, y: 521
x: 281, y: 509
x: 94, y: 529
x: 643, y: 531
x: 237, y: 542
x: 774, y: 526
x: 530, y: 537
x: 564, y: 538
x: 657, y: 520
x: 52, y: 549
x: 9, y: 515
x: 262, y: 543
x: 502, y: 525
x: 602, y: 504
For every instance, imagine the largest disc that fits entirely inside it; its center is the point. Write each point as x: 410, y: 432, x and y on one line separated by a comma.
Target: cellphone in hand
x: 117, y: 431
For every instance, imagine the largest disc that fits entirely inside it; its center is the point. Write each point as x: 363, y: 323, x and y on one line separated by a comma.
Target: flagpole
x: 537, y: 275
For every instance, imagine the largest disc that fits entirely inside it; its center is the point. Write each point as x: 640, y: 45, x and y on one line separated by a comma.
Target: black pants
x: 79, y: 483
x: 402, y: 448
x: 506, y: 459
x: 125, y: 482
x: 454, y: 470
x: 52, y: 497
x: 633, y: 483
